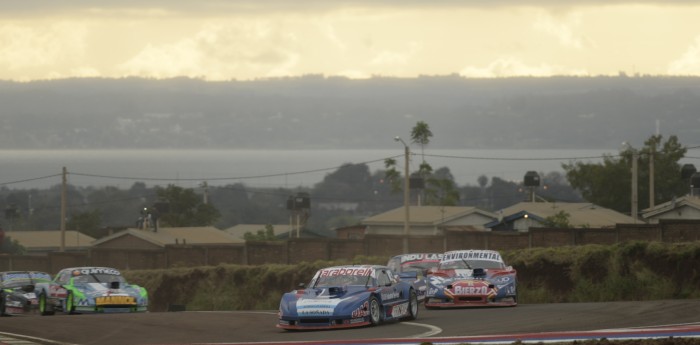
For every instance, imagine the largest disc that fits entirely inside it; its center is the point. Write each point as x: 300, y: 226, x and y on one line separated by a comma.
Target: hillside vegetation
x: 330, y: 112
x: 632, y: 271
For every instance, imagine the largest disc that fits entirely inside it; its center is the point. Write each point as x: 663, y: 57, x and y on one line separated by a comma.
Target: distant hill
x: 319, y: 112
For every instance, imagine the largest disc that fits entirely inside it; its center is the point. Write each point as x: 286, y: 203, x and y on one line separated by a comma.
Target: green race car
x: 98, y: 290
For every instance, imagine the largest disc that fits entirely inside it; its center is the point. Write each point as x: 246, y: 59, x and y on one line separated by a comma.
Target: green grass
x: 594, y: 273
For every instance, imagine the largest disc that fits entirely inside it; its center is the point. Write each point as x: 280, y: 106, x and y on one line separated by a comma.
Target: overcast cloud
x: 222, y: 40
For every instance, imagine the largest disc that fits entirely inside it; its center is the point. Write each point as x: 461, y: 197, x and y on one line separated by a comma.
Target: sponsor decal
x: 114, y: 300
x: 16, y: 275
x: 473, y: 254
x: 57, y: 291
x: 314, y: 307
x: 470, y: 290
x: 95, y: 270
x: 82, y: 302
x: 420, y: 257
x: 399, y: 310
x: 437, y: 280
x: 432, y: 292
x: 390, y: 295
x: 40, y: 275
x: 463, y: 273
x: 502, y: 279
x: 14, y: 304
x: 362, y: 311
x: 352, y: 321
x: 346, y: 271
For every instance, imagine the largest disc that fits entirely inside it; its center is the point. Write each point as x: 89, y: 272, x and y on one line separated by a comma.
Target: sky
x: 256, y: 39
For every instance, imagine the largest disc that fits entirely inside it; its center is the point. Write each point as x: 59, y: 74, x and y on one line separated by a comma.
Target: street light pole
x: 635, y: 159
x: 406, y: 195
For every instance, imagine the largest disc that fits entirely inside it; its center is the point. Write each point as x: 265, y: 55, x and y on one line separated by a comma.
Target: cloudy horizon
x: 244, y: 40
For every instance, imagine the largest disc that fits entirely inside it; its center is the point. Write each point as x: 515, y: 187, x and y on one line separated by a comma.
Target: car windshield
x: 470, y: 264
x: 19, y: 279
x: 16, y: 283
x: 98, y: 278
x: 342, y: 280
x: 418, y: 266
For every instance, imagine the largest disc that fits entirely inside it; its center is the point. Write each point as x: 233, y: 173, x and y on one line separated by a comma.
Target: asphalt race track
x: 232, y: 327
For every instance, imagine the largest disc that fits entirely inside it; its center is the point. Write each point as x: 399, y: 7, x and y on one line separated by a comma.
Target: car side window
x: 394, y: 263
x: 63, y: 277
x: 383, y: 278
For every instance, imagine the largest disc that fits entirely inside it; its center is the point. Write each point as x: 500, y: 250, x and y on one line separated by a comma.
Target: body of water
x: 23, y: 169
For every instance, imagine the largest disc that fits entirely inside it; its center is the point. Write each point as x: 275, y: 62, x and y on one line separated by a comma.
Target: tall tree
x: 392, y: 175
x: 421, y: 134
x: 88, y: 223
x: 439, y: 186
x: 186, y: 208
x: 442, y: 189
x: 608, y: 184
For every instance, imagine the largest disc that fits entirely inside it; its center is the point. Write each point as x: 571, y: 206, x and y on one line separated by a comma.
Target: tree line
x: 345, y: 196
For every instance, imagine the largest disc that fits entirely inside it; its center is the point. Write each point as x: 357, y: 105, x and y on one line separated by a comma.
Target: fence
x: 311, y: 249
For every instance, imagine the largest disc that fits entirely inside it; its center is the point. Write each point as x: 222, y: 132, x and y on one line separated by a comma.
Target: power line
x: 516, y: 158
x: 28, y: 180
x: 227, y: 178
x: 327, y: 169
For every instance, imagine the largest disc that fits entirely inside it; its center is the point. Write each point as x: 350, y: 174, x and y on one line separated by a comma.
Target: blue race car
x: 96, y: 290
x: 348, y: 296
x: 18, y: 293
x: 469, y: 278
x: 413, y: 268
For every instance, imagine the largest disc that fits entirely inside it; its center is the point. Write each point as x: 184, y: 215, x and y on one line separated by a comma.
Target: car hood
x: 333, y: 292
x: 99, y: 289
x: 454, y: 276
x: 325, y: 301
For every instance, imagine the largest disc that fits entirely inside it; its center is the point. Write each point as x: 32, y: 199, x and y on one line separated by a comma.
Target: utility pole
x: 635, y: 158
x: 206, y: 193
x: 652, y: 153
x: 406, y: 195
x: 63, y: 209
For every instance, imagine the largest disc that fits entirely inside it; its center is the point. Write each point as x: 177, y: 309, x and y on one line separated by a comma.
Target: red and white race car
x: 468, y: 278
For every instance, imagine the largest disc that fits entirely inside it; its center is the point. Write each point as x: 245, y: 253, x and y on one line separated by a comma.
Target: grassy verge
x: 594, y: 273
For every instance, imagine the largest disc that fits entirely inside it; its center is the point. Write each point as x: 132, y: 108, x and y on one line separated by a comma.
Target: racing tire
x: 412, y: 306
x: 68, y: 304
x: 375, y: 311
x: 2, y: 304
x: 43, y: 306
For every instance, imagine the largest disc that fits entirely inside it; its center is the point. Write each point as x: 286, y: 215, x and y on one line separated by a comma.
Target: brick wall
x: 312, y: 249
x: 186, y: 255
x: 638, y: 232
x: 595, y: 236
x: 24, y: 263
x: 679, y: 231
x: 345, y: 249
x: 466, y: 239
x: 225, y: 254
x: 551, y: 237
x: 309, y: 249
x: 382, y: 245
x: 60, y: 260
x: 508, y: 241
x: 260, y: 253
x: 131, y: 259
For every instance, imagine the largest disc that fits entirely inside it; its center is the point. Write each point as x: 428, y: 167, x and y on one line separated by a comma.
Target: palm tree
x: 420, y: 134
